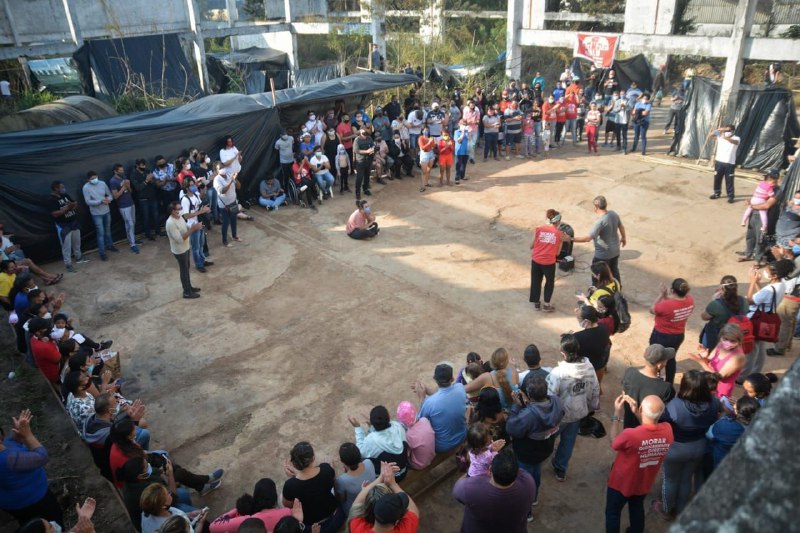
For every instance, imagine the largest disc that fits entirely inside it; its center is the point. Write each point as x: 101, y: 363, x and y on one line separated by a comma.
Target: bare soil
x: 301, y: 326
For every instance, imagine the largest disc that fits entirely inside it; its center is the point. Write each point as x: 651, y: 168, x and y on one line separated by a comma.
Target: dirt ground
x: 301, y: 326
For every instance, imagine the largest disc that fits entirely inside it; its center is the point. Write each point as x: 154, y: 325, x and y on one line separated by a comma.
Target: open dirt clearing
x: 301, y: 326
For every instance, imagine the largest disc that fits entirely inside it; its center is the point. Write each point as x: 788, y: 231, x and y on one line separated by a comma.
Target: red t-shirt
x: 546, y: 245
x: 640, y: 452
x: 446, y: 147
x: 408, y: 524
x: 671, y: 315
x: 549, y: 112
x: 297, y: 168
x: 47, y: 358
x: 572, y: 108
x: 344, y: 129
x: 116, y: 459
x: 561, y: 113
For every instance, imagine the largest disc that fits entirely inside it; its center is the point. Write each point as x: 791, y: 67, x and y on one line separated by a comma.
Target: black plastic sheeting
x: 790, y: 183
x: 309, y: 76
x: 635, y: 68
x: 256, y: 66
x: 765, y: 120
x: 31, y: 160
x: 440, y: 73
x: 158, y: 60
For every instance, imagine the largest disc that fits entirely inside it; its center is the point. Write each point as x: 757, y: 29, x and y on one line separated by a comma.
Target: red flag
x: 599, y: 48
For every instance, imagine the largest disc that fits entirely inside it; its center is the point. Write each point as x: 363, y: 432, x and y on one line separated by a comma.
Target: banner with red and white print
x: 599, y: 48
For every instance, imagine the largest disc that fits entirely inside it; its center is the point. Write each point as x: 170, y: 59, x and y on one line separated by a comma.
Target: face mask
x: 62, y: 190
x: 284, y: 136
x: 796, y: 201
x: 368, y: 210
x: 193, y: 188
x: 89, y: 369
x: 149, y: 470
x: 551, y: 100
x: 318, y: 154
x: 312, y: 117
x: 33, y: 288
x: 727, y: 345
x: 796, y: 249
x: 187, y: 167
x: 47, y: 315
x: 223, y: 171
x: 56, y: 527
x: 116, y: 412
x: 94, y: 181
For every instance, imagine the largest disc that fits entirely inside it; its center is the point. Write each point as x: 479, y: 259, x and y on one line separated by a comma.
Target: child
x: 527, y: 134
x: 724, y: 433
x: 764, y: 191
x: 482, y: 449
x: 472, y: 370
x: 759, y: 386
x: 342, y: 168
x: 62, y: 330
x: 546, y: 134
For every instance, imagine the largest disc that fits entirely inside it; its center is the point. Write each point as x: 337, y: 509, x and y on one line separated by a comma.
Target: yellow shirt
x: 6, y: 283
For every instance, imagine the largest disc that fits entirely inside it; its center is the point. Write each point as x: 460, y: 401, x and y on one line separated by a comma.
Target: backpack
x: 748, y: 339
x: 621, y: 304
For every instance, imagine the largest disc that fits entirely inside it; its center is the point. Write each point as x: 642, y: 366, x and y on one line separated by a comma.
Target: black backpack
x: 621, y: 304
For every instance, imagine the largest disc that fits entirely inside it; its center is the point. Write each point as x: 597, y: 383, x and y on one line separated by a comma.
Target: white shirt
x: 415, y: 124
x: 229, y: 197
x: 230, y: 153
x: 190, y: 204
x: 764, y: 297
x: 314, y: 162
x: 726, y: 151
x: 5, y: 88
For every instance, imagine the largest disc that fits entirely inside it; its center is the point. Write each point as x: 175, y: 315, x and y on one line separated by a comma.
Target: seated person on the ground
x: 391, y: 510
x: 96, y: 429
x: 361, y: 224
x: 445, y: 408
x: 357, y: 472
x: 271, y: 194
x: 384, y: 440
x: 262, y: 505
x: 158, y: 506
x: 419, y: 436
x: 44, y: 350
x: 12, y: 252
x: 63, y: 330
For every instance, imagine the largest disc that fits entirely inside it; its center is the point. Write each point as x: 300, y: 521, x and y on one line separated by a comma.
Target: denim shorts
x: 424, y: 156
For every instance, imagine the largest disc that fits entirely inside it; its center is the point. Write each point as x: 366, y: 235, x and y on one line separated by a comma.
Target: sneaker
x: 560, y: 474
x: 520, y: 157
x: 530, y: 516
x: 270, y: 208
x: 103, y: 257
x: 367, y: 192
x: 209, y: 263
x: 70, y: 268
x: 536, y: 501
x: 548, y: 308
x: 537, y: 306
x: 191, y: 296
x: 772, y: 352
x: 508, y: 158
x: 730, y: 200
x: 215, y: 475
x: 134, y: 249
x: 202, y: 269
x: 105, y: 345
x: 714, y: 196
x: 82, y: 259
x: 213, y: 485
x: 112, y: 249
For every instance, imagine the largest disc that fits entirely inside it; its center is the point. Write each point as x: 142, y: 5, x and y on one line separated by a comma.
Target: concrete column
x: 665, y: 20
x: 431, y: 23
x: 198, y: 46
x: 513, y: 48
x: 11, y: 24
x: 374, y: 14
x: 745, y: 13
x: 537, y: 11
x: 233, y: 18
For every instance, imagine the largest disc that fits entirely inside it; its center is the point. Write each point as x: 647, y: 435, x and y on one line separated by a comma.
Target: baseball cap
x: 656, y: 353
x: 391, y: 508
x: 435, y: 105
x: 443, y: 372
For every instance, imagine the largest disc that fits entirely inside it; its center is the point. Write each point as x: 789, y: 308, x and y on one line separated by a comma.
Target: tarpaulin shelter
x: 440, y: 73
x: 312, y: 75
x: 635, y: 68
x: 765, y: 120
x: 31, y: 160
x: 255, y: 66
x: 108, y: 66
x: 67, y: 110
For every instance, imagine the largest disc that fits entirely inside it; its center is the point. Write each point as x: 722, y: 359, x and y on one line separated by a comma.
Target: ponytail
x: 500, y: 363
x: 730, y: 293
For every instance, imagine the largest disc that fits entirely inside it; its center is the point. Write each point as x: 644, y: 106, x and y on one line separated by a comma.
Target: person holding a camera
x: 226, y: 185
x: 191, y: 211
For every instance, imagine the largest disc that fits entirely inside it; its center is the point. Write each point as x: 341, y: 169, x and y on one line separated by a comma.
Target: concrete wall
x: 129, y: 17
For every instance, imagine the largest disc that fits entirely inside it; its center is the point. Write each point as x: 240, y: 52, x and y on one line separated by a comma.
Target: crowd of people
x: 500, y: 419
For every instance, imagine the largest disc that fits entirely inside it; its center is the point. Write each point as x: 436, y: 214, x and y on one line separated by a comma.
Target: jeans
x: 228, y: 220
x: 461, y: 166
x: 568, y: 434
x: 70, y: 244
x: 622, y: 136
x: 725, y: 170
x: 754, y: 241
x: 102, y: 225
x: 536, y: 473
x: 213, y: 204
x: 473, y: 140
x: 668, y: 340
x: 615, y: 501
x: 324, y: 181
x: 149, y: 212
x: 196, y: 241
x: 787, y: 310
x: 142, y: 438
x: 539, y: 272
x: 640, y: 130
x: 673, y: 115
x: 537, y: 136
x: 682, y: 464
x: 266, y: 202
x: 129, y: 217
x: 570, y: 127
x: 490, y: 143
x: 613, y: 264
x: 184, y: 501
x: 183, y: 265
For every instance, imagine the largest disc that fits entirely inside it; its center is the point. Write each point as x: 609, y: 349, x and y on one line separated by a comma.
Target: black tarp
x: 765, y: 120
x: 31, y: 160
x: 312, y: 75
x: 254, y: 65
x: 442, y: 74
x: 157, y: 61
x: 577, y: 71
x: 635, y: 68
x: 790, y: 183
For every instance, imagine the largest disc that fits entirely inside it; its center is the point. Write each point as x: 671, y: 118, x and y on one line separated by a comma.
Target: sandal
x: 422, y: 189
x: 746, y: 258
x: 548, y: 308
x: 54, y: 280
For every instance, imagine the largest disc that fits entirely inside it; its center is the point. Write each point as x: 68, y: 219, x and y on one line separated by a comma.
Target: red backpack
x: 748, y: 339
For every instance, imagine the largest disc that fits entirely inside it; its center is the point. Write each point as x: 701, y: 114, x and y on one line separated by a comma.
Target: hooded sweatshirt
x: 94, y: 194
x: 690, y: 420
x: 533, y: 427
x: 342, y: 159
x: 577, y: 386
x: 95, y: 430
x: 374, y: 443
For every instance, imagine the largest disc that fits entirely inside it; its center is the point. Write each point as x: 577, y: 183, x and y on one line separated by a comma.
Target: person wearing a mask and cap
x: 361, y: 224
x: 321, y: 167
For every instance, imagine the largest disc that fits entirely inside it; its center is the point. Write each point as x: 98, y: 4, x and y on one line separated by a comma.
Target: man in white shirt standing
x: 179, y: 234
x: 725, y: 160
x: 226, y: 184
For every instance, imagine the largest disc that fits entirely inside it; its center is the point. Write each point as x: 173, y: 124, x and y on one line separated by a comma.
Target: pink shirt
x: 725, y: 387
x: 480, y: 463
x: 230, y: 521
x: 472, y: 117
x: 356, y: 220
x: 421, y: 442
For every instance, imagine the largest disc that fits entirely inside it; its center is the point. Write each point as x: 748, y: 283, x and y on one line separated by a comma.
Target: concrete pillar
x: 233, y: 18
x: 11, y: 24
x: 513, y: 48
x: 431, y: 22
x: 291, y: 50
x: 374, y: 14
x: 745, y: 13
x: 665, y: 20
x: 198, y: 46
x: 537, y: 11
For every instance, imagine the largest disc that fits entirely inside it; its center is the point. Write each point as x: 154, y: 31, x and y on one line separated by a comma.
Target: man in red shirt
x: 640, y: 452
x: 571, y: 108
x: 44, y: 351
x: 561, y: 121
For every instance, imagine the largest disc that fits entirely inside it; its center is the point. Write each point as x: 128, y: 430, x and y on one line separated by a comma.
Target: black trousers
x: 405, y: 162
x: 368, y: 233
x: 539, y: 272
x: 286, y: 175
x: 47, y: 508
x: 723, y: 170
x: 362, y: 175
x: 612, y: 264
x: 183, y: 264
x: 559, y: 130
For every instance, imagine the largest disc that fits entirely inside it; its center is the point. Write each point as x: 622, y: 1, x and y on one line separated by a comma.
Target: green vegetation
x: 25, y: 100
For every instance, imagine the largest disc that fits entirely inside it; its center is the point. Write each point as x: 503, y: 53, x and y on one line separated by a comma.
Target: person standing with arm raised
x: 608, y: 235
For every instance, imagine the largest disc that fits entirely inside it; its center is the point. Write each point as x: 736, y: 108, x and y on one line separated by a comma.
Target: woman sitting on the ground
x: 313, y: 486
x: 503, y: 377
x: 262, y: 505
x: 383, y: 441
x: 156, y: 505
x: 361, y: 224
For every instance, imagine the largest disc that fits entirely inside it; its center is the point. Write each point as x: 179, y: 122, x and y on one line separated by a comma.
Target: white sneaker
x: 508, y: 158
x: 520, y: 157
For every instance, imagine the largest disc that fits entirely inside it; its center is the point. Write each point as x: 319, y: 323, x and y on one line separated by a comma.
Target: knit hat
x: 406, y: 413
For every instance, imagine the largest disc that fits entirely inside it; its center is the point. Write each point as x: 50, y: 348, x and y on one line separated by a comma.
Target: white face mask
x: 312, y: 117
x: 208, y: 160
x: 56, y: 527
